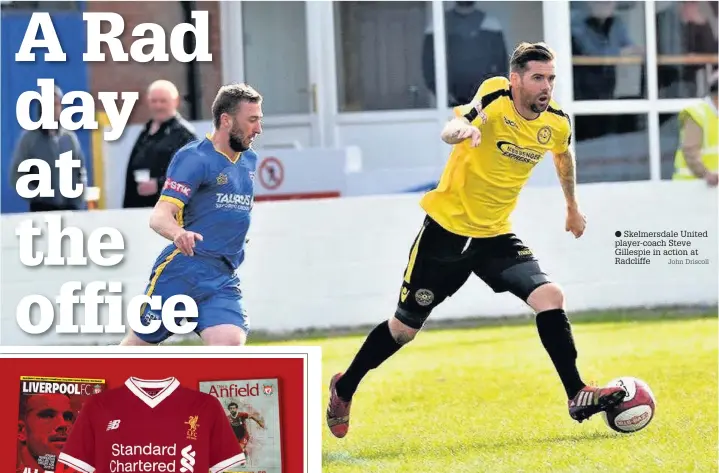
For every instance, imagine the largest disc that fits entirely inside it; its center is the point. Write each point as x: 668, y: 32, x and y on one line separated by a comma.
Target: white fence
x: 339, y: 262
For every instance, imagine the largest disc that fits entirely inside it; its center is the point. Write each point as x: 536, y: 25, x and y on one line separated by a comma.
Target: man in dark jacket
x: 163, y: 135
x: 48, y: 145
x: 476, y: 50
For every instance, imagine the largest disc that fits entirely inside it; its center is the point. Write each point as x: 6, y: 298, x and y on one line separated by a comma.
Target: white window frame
x: 557, y: 33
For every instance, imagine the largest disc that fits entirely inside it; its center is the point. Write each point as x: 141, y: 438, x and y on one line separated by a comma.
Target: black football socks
x: 378, y: 346
x: 555, y: 332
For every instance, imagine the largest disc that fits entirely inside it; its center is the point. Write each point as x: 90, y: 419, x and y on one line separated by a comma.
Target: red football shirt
x: 152, y: 427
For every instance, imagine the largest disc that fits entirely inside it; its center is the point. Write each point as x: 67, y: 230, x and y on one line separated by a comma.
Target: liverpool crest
x: 192, y: 431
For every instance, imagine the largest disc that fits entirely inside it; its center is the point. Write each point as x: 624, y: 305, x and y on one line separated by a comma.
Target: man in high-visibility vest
x: 697, y: 156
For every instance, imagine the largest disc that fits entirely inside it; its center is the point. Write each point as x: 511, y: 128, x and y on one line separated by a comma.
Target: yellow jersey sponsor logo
x: 517, y: 153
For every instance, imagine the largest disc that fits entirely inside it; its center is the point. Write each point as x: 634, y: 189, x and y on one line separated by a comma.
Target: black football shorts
x: 440, y: 262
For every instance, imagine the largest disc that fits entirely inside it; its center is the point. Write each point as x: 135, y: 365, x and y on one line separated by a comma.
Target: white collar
x: 136, y: 387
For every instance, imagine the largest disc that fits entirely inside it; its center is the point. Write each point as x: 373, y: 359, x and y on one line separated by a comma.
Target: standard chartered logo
x: 165, y: 459
x: 188, y: 459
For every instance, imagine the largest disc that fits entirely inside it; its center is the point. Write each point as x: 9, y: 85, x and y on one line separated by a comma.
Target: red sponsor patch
x: 183, y: 189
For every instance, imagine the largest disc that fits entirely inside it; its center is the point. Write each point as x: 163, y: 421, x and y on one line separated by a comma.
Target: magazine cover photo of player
x: 252, y: 409
x: 48, y: 408
x: 238, y: 421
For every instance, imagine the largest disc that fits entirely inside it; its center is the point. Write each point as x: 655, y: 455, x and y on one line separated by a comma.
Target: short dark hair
x: 229, y: 97
x: 233, y: 404
x: 25, y: 399
x: 526, y: 52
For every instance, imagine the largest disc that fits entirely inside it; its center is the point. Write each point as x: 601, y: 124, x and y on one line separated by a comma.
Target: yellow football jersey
x: 480, y: 186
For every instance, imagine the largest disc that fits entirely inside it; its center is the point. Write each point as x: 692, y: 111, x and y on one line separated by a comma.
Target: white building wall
x: 340, y: 262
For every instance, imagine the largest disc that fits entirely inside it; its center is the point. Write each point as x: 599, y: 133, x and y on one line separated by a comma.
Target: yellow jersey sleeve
x: 488, y: 87
x: 564, y: 136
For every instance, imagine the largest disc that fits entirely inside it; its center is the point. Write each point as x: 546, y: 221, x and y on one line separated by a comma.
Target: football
x: 637, y: 409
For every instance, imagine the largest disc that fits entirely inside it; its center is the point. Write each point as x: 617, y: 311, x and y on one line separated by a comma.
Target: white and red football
x: 637, y: 409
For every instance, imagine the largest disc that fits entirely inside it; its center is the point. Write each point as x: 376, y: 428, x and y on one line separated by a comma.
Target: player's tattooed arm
x: 566, y: 171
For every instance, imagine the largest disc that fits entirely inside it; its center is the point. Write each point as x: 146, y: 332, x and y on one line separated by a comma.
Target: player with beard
x: 497, y: 140
x: 204, y: 210
x: 238, y: 421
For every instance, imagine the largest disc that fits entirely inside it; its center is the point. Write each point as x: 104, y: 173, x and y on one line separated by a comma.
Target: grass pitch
x: 488, y: 400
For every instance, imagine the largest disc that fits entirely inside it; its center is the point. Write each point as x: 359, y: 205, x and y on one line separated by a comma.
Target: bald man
x: 162, y: 136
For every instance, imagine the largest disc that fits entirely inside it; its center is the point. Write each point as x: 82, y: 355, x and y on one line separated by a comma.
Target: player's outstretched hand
x: 469, y: 132
x: 576, y: 223
x: 476, y: 137
x: 185, y: 242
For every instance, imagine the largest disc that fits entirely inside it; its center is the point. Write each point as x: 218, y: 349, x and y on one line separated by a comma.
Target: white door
x: 279, y: 54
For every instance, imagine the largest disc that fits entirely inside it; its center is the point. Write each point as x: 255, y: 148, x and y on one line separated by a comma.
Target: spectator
x: 599, y: 32
x: 163, y: 135
x: 48, y: 145
x: 697, y: 157
x: 683, y: 29
x: 476, y: 50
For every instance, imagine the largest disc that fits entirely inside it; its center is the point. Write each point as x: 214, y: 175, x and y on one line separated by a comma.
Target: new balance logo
x: 113, y: 424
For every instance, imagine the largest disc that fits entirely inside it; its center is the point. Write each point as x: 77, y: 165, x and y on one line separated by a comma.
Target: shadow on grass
x: 397, y: 450
x: 589, y: 317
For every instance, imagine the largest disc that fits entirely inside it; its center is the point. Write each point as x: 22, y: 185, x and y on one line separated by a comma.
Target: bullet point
x: 617, y: 234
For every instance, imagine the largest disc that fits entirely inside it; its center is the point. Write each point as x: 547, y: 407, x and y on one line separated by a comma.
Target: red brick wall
x: 110, y: 76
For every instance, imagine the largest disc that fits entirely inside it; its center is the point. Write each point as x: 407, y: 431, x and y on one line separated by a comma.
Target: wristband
x: 471, y: 115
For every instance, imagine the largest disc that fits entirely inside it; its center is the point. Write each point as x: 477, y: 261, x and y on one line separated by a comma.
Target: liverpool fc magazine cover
x: 48, y: 408
x: 253, y: 410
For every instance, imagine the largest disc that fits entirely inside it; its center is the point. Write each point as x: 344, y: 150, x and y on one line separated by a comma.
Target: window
x: 608, y: 50
x: 480, y: 38
x: 277, y: 64
x: 686, y: 47
x: 611, y: 148
x: 379, y: 47
x: 669, y: 136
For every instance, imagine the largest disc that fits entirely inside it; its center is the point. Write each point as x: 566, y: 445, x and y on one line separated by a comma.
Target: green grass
x: 484, y: 398
x: 488, y: 400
